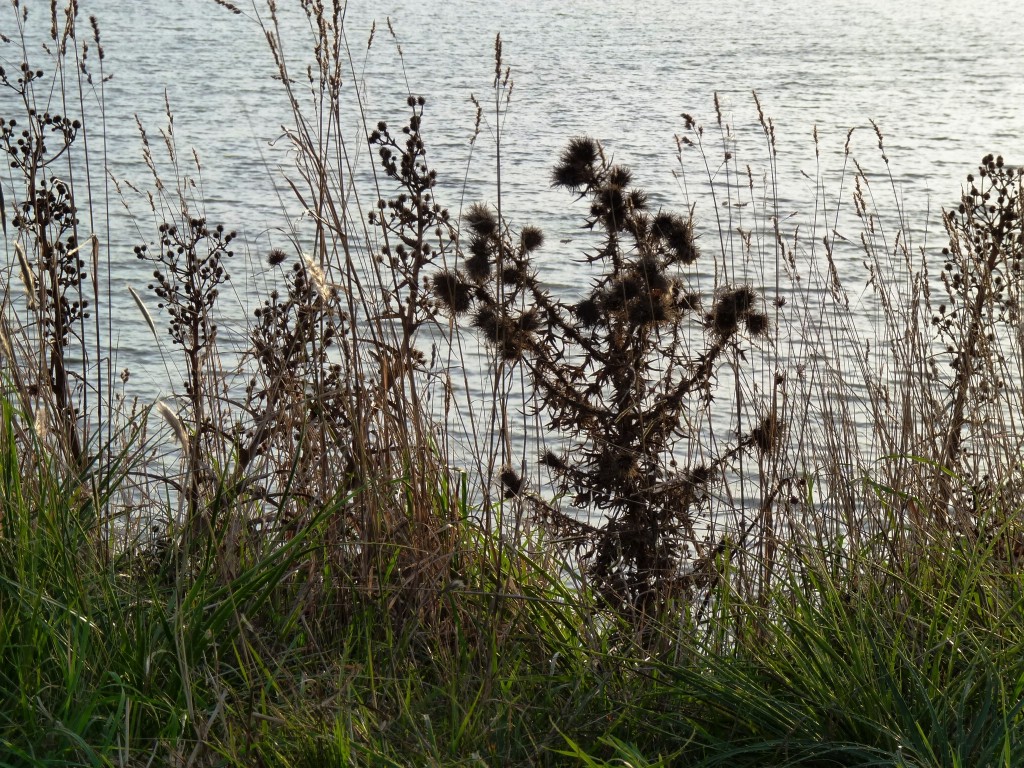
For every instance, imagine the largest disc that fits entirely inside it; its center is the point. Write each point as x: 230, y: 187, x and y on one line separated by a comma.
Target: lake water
x: 944, y: 82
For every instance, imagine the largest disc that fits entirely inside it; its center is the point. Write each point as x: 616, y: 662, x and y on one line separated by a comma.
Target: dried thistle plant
x: 614, y: 374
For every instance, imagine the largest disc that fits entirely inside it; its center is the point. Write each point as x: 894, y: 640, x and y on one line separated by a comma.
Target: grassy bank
x: 751, y: 537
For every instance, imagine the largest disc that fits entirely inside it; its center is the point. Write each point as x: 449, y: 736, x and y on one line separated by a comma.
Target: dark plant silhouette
x: 50, y: 249
x: 188, y: 275
x: 415, y: 234
x: 978, y: 324
x: 415, y: 230
x: 615, y: 374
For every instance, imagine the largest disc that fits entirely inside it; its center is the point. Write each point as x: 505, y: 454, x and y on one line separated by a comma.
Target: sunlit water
x: 944, y: 82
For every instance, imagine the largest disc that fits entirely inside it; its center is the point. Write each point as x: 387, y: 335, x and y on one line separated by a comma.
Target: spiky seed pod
x: 511, y: 482
x: 614, y: 298
x: 731, y: 307
x: 450, y: 290
x: 487, y: 322
x: 553, y: 460
x: 723, y: 319
x: 650, y: 273
x: 638, y: 199
x: 478, y: 265
x: 757, y: 324
x: 511, y: 348
x: 610, y: 206
x: 766, y: 435
x: 639, y: 222
x: 676, y: 233
x: 614, y: 467
x: 515, y: 275
x: 619, y: 176
x: 588, y: 312
x: 576, y: 169
x: 700, y: 475
x: 650, y: 311
x: 685, y: 301
x: 276, y: 256
x: 628, y: 288
x: 742, y: 298
x: 481, y: 220
x: 529, y: 321
x: 481, y: 246
x: 642, y: 312
x: 512, y: 342
x: 531, y: 238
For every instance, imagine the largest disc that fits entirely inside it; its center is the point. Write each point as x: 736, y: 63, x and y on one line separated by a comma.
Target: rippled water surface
x: 944, y: 81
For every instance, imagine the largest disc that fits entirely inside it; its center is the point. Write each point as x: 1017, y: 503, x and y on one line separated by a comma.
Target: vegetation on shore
x: 749, y: 539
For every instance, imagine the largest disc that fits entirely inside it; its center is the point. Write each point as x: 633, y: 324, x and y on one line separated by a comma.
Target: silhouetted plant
x: 979, y: 322
x: 49, y: 247
x: 415, y: 234
x: 614, y: 374
x: 415, y: 230
x: 187, y: 280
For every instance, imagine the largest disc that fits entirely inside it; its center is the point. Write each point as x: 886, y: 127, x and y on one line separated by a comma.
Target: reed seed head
x: 176, y: 425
